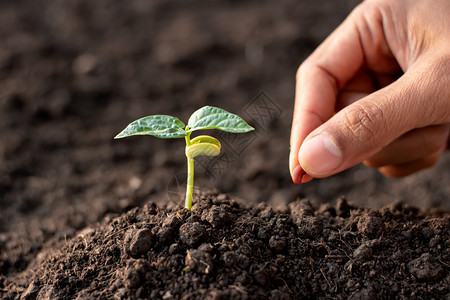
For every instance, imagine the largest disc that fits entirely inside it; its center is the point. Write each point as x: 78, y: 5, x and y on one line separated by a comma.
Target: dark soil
x: 221, y: 250
x: 74, y: 73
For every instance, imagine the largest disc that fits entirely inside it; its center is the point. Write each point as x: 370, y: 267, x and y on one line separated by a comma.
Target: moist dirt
x: 84, y: 216
x: 223, y: 250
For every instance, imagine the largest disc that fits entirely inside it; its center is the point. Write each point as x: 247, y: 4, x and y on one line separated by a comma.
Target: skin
x: 377, y: 91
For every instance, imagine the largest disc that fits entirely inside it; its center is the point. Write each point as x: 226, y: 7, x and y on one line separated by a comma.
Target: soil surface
x: 221, y: 250
x: 83, y: 215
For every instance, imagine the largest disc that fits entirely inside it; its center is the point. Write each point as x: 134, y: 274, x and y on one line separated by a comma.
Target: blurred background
x: 75, y: 73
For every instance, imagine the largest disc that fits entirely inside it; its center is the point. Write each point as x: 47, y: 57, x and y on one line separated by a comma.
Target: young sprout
x: 168, y: 127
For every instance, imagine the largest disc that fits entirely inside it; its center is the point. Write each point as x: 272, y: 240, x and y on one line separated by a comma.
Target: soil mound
x: 223, y: 250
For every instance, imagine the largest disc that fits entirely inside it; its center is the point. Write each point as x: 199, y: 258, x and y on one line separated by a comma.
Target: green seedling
x: 168, y: 127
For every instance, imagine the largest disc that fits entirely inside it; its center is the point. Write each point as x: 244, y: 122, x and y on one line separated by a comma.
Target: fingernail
x: 320, y: 156
x: 297, y: 175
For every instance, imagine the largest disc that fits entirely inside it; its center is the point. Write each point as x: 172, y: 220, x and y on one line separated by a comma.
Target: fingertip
x: 320, y: 156
x: 307, y: 178
x: 297, y: 174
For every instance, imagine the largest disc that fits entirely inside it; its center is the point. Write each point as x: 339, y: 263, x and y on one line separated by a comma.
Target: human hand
x: 376, y: 90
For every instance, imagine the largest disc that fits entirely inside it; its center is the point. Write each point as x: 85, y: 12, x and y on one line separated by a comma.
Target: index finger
x: 318, y: 81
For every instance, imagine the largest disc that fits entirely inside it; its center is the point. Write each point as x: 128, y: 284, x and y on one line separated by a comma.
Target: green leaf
x: 161, y: 126
x: 209, y: 117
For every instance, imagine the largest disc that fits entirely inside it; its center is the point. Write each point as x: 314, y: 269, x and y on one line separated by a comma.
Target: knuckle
x: 431, y: 85
x: 440, y: 82
x: 365, y: 123
x: 301, y: 70
x: 370, y: 6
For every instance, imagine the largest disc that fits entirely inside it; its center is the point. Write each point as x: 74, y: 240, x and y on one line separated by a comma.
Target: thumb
x: 419, y: 98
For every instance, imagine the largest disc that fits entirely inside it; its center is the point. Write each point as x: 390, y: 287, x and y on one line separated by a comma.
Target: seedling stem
x: 207, y: 117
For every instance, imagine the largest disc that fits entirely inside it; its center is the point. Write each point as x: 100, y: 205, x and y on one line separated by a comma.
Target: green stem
x: 190, y: 183
x: 190, y: 176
